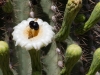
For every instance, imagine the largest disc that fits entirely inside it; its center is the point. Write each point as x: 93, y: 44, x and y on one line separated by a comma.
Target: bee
x: 34, y: 25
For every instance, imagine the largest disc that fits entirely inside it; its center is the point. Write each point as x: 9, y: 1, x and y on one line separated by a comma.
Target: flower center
x: 33, y: 30
x: 32, y: 33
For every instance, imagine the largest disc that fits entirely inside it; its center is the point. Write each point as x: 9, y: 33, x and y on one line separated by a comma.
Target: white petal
x: 24, y: 42
x: 30, y: 19
x: 18, y: 42
x: 39, y: 45
x: 28, y: 46
x: 40, y: 21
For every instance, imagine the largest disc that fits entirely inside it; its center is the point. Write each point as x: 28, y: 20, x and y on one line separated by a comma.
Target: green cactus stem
x: 35, y: 61
x: 51, y: 59
x: 8, y: 7
x: 4, y: 58
x: 21, y: 12
x: 73, y: 53
x: 93, y: 19
x: 95, y: 65
x: 71, y: 10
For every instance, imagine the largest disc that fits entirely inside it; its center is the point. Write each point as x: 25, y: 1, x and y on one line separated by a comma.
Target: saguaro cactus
x: 41, y: 32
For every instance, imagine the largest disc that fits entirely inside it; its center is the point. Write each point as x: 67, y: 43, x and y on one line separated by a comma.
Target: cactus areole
x: 33, y: 33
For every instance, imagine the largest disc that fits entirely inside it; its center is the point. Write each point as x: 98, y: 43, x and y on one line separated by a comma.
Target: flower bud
x: 4, y: 58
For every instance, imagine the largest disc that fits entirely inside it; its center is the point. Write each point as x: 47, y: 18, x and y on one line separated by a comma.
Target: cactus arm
x: 95, y: 65
x: 71, y: 10
x: 51, y: 59
x: 46, y: 5
x: 21, y: 12
x: 93, y: 19
x: 24, y: 65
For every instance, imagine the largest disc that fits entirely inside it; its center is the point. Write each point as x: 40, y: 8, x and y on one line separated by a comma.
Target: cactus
x: 72, y: 8
x: 95, y: 65
x: 72, y: 55
x: 4, y: 58
x: 8, y: 8
x: 80, y: 18
x: 35, y: 60
x: 93, y: 19
x: 50, y: 53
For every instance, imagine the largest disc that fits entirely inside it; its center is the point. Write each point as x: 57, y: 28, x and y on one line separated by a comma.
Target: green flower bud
x: 80, y: 18
x: 73, y: 53
x: 4, y: 58
x: 71, y: 10
x: 95, y: 65
x: 3, y: 52
x: 93, y: 19
x: 73, y: 50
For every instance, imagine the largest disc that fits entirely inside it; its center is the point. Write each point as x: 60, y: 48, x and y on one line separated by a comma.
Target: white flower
x: 29, y: 38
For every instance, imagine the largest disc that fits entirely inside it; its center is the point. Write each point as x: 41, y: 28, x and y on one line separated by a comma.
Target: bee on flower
x: 33, y: 34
